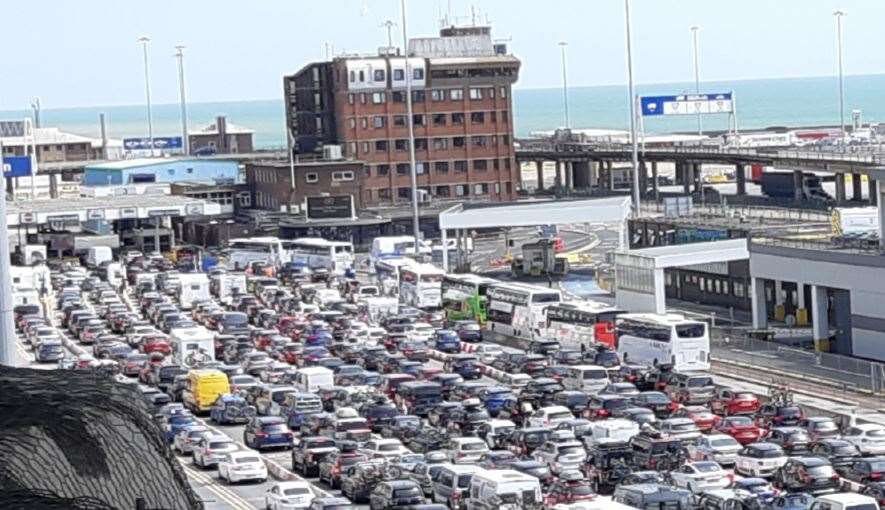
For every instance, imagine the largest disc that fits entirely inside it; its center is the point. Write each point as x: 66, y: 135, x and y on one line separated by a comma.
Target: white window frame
x: 311, y: 177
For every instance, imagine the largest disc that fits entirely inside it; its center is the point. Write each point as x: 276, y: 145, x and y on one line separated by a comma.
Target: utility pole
x: 7, y: 325
x: 416, y: 228
x: 562, y: 46
x: 632, y: 101
x: 185, y: 140
x: 839, y: 14
x: 389, y: 24
x: 697, y: 72
x: 147, y: 90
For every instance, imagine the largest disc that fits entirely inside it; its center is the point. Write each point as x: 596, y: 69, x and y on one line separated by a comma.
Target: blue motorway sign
x: 16, y: 166
x: 686, y: 104
x: 160, y: 142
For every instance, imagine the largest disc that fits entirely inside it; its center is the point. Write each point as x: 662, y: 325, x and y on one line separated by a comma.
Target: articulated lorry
x: 784, y: 185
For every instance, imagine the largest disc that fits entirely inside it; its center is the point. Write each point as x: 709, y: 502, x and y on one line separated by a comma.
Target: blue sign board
x: 160, y: 143
x: 16, y: 166
x: 686, y: 104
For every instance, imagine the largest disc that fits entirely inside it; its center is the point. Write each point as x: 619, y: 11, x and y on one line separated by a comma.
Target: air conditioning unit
x: 424, y: 197
x: 332, y: 152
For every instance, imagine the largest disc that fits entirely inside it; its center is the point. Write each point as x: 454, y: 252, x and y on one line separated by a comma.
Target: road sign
x: 160, y: 143
x: 16, y: 166
x: 687, y: 104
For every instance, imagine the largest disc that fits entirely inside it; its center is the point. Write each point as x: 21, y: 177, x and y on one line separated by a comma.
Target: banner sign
x: 160, y: 142
x: 128, y: 213
x: 163, y: 212
x: 686, y: 104
x: 16, y: 166
x: 330, y: 207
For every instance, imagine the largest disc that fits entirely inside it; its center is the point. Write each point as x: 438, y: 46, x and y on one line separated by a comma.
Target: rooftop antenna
x: 389, y: 24
x: 473, y: 15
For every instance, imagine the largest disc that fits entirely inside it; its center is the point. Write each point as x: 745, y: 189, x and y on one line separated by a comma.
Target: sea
x: 760, y: 103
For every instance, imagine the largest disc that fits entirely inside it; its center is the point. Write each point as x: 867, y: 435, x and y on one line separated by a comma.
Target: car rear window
x: 222, y: 445
x: 464, y: 481
x: 789, y: 411
x: 247, y: 460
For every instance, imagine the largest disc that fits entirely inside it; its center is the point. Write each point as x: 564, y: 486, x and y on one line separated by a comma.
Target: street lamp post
x: 632, y: 103
x: 839, y: 14
x: 414, y: 173
x: 562, y: 46
x: 179, y: 55
x: 697, y: 70
x: 7, y: 326
x: 147, y: 90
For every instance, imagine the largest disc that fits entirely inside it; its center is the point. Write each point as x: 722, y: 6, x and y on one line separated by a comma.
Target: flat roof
x: 125, y: 164
x: 107, y: 208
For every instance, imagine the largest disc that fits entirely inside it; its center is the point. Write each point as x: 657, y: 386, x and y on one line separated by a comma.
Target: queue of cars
x: 360, y: 407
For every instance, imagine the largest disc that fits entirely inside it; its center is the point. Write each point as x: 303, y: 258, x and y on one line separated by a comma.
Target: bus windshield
x: 690, y: 330
x: 545, y: 298
x: 431, y: 278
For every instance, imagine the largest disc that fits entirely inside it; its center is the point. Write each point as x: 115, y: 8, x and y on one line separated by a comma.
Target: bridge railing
x: 832, y: 155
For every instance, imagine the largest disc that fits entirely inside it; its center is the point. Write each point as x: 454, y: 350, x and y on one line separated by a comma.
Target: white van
x: 591, y: 378
x: 311, y: 379
x: 98, y: 254
x: 845, y: 501
x: 503, y: 488
x: 192, y: 345
x: 550, y: 416
x: 194, y: 287
x: 225, y: 285
x: 115, y: 273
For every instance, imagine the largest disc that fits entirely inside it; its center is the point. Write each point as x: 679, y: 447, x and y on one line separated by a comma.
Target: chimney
x: 221, y: 124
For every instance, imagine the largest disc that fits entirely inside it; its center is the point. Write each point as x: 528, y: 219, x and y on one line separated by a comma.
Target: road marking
x: 212, y: 485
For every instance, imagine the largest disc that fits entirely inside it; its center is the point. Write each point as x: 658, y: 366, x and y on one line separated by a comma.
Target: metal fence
x: 841, y: 372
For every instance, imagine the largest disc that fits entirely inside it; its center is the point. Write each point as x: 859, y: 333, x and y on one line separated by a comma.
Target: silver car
x: 721, y: 448
x: 186, y: 439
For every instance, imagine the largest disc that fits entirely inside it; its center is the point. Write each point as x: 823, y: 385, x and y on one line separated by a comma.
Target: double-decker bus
x: 517, y: 309
x: 317, y: 253
x: 250, y: 249
x: 663, y: 340
x: 420, y: 285
x: 464, y: 296
x: 577, y: 323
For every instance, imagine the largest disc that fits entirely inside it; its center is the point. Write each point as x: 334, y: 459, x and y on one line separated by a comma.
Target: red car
x: 427, y: 373
x: 700, y: 415
x: 289, y: 353
x: 158, y: 344
x: 741, y: 428
x: 728, y: 402
x: 569, y: 491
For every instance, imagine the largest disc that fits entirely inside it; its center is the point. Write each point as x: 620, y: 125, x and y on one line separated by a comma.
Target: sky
x: 85, y: 52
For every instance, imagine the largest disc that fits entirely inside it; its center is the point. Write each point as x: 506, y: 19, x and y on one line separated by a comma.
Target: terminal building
x: 462, y: 113
x: 161, y: 170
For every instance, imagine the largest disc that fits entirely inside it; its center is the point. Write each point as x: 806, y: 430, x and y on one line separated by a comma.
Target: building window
x: 379, y: 98
x: 418, y: 73
x: 363, y: 97
x: 419, y: 168
x: 481, y: 189
x: 505, y: 139
x: 378, y: 75
x: 507, y: 164
x: 399, y: 75
x: 352, y: 76
x: 311, y: 177
x: 362, y: 76
x: 503, y: 91
x: 420, y: 144
x: 493, y: 116
x: 399, y: 120
x: 378, y: 121
x: 418, y: 119
x: 475, y: 94
x: 345, y: 175
x: 404, y: 192
x: 350, y: 99
x: 458, y: 141
x: 417, y: 96
x: 440, y: 144
x: 367, y: 171
x: 190, y: 170
x: 352, y: 122
x: 504, y: 116
x: 437, y: 95
x: 491, y: 92
x: 738, y: 289
x: 401, y: 145
x: 364, y: 122
x: 383, y: 194
x: 381, y: 170
x: 480, y: 165
x: 402, y: 169
x: 460, y: 190
x: 480, y: 141
x: 456, y: 94
x: 380, y: 145
x: 439, y: 119
x: 442, y: 191
x: 461, y: 166
x: 352, y: 148
x: 171, y: 171
x: 494, y: 139
x: 441, y: 167
x: 365, y: 147
x: 477, y: 117
x: 398, y: 96
x: 457, y: 119
x: 495, y: 164
x: 497, y: 188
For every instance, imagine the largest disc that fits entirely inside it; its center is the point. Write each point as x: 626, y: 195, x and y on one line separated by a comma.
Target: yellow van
x: 203, y: 388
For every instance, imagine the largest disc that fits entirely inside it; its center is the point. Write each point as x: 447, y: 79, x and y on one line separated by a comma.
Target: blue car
x: 294, y: 419
x: 447, y: 341
x: 229, y: 409
x: 759, y: 487
x: 264, y: 432
x: 496, y: 398
x: 177, y: 422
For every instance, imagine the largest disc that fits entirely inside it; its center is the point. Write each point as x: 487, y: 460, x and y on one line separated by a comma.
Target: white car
x: 289, y: 496
x: 701, y: 476
x: 466, y: 450
x: 186, y: 439
x: 241, y: 465
x: 385, y: 449
x: 759, y: 460
x: 210, y: 449
x: 486, y: 353
x: 517, y: 381
x: 684, y: 429
x: 869, y: 438
x: 550, y: 416
x: 720, y: 448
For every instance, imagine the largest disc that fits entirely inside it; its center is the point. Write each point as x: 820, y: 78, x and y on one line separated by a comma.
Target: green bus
x: 464, y: 296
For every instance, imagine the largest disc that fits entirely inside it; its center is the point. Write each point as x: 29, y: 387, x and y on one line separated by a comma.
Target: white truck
x: 225, y: 285
x: 194, y: 287
x: 377, y: 308
x: 115, y: 273
x: 499, y: 489
x: 192, y: 346
x: 311, y: 379
x: 98, y: 254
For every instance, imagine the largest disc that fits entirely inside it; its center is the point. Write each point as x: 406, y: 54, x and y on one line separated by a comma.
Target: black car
x: 525, y: 441
x: 534, y: 468
x: 396, y: 494
x: 378, y: 413
x: 839, y: 452
x: 309, y: 451
x: 875, y: 490
x: 657, y: 401
x: 601, y: 407
x: 575, y: 400
x: 439, y: 415
x: 427, y: 440
x: 468, y: 418
x: 794, y: 440
x: 358, y: 481
x: 813, y: 475
x: 870, y: 469
x: 779, y: 414
x: 654, y: 452
x: 607, y: 465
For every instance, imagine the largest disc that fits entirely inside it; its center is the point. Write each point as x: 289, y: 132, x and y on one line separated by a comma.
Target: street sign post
x: 16, y: 166
x: 687, y: 104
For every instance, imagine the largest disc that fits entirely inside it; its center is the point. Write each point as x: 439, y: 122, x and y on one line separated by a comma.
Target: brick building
x: 462, y: 112
x: 270, y: 184
x: 221, y: 137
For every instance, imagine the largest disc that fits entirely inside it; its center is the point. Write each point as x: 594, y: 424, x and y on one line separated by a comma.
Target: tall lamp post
x: 7, y: 326
x: 697, y: 70
x: 562, y: 46
x: 839, y: 14
x: 632, y: 102
x: 414, y: 173
x: 147, y: 90
x: 179, y: 56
